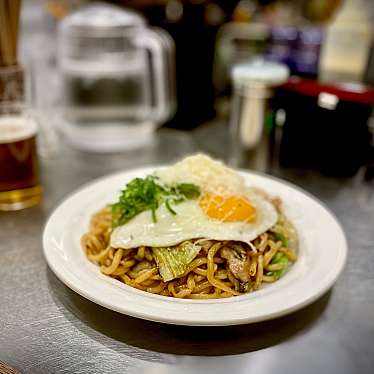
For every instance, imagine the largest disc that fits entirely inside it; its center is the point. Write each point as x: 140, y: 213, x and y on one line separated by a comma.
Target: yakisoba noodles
x: 206, y: 277
x: 193, y: 230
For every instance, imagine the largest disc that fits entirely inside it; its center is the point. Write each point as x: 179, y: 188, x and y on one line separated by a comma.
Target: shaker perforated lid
x: 260, y: 71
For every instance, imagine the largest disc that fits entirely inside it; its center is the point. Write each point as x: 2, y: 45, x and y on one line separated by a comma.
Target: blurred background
x: 277, y: 86
x: 289, y: 81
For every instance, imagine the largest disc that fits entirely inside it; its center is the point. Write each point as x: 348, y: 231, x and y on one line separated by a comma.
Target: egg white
x: 191, y: 222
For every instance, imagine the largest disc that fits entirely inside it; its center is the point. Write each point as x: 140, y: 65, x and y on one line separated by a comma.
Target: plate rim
x: 338, y: 268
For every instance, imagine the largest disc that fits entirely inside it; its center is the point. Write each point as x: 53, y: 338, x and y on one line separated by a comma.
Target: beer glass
x: 19, y: 169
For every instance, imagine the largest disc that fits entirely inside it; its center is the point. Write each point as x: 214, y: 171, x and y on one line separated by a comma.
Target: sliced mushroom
x: 238, y: 265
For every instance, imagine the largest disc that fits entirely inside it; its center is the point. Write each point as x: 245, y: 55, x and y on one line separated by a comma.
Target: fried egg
x: 226, y: 209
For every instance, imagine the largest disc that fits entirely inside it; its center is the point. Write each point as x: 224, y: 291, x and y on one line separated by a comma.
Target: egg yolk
x: 227, y: 208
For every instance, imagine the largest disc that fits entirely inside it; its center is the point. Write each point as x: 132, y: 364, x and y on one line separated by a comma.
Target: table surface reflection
x: 47, y: 328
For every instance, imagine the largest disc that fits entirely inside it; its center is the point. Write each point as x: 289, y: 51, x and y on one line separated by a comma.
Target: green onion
x: 142, y: 194
x: 282, y: 259
x: 277, y: 257
x: 282, y: 238
x: 169, y: 208
x: 154, y: 218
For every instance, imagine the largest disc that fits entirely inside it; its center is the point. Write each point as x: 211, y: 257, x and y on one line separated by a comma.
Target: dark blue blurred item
x: 325, y: 127
x: 299, y: 48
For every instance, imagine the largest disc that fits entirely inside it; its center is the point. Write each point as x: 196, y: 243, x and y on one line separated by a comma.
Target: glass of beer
x: 19, y: 170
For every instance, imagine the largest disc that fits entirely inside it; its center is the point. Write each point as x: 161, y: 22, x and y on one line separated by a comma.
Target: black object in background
x: 325, y: 126
x: 193, y: 25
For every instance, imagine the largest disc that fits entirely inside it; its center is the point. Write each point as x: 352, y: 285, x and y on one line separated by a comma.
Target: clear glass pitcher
x: 117, y: 77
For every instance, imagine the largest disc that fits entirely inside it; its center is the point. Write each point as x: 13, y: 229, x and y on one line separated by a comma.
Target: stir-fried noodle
x: 221, y: 268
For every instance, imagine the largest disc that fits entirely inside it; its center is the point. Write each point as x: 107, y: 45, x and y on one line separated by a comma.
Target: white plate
x: 322, y: 255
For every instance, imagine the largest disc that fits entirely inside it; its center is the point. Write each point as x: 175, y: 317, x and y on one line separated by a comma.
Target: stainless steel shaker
x: 253, y: 84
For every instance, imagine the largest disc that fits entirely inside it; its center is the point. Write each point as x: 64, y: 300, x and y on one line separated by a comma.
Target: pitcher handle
x: 162, y: 51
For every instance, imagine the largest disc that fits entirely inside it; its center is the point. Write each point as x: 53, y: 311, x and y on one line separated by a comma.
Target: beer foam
x: 15, y: 128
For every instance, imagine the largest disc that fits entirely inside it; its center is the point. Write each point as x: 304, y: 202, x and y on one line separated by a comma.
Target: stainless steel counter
x: 46, y: 328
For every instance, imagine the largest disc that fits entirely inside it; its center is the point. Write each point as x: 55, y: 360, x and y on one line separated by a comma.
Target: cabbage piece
x: 173, y: 261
